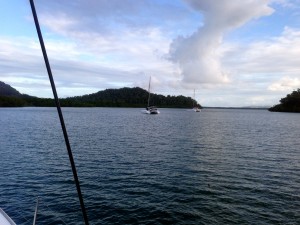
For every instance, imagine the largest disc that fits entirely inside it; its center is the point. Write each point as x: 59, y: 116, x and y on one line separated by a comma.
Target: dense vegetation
x: 10, y: 101
x: 10, y: 97
x: 123, y: 97
x: 291, y: 103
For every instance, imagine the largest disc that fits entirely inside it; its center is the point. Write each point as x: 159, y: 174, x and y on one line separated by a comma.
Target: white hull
x: 196, y: 110
x: 5, y: 219
x: 148, y: 112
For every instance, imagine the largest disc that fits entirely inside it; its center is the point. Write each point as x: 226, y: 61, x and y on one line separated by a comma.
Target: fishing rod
x: 59, y: 112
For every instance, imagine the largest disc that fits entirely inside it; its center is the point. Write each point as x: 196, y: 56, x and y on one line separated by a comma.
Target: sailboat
x: 150, y: 109
x: 195, y: 108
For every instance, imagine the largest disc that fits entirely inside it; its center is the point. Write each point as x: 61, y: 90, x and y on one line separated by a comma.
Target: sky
x: 233, y: 53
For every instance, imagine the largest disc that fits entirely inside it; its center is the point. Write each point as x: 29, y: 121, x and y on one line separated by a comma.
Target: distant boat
x: 5, y: 219
x: 195, y: 108
x: 150, y: 109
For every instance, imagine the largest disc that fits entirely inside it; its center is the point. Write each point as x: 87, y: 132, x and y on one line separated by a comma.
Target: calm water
x: 215, y: 167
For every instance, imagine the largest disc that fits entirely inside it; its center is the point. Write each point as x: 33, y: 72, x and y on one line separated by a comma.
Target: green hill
x: 123, y: 97
x: 6, y: 90
x: 128, y: 97
x: 291, y: 103
x: 10, y: 97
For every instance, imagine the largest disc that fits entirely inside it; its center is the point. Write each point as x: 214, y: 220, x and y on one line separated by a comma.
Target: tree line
x: 290, y: 103
x: 123, y: 97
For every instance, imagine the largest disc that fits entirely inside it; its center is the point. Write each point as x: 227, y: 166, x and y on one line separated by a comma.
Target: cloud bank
x: 231, y: 52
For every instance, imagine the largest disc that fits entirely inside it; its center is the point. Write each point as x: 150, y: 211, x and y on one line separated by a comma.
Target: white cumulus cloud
x: 285, y: 84
x: 199, y: 55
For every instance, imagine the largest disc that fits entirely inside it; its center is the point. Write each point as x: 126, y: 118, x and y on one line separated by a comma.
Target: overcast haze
x: 232, y: 52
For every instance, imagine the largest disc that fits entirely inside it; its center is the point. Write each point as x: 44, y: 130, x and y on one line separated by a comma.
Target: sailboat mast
x: 149, y: 92
x: 194, y: 99
x: 63, y: 126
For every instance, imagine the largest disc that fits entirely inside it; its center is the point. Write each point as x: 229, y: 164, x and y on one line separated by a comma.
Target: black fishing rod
x: 59, y: 112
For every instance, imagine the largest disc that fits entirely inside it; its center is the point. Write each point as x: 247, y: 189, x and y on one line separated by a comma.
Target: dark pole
x: 59, y: 111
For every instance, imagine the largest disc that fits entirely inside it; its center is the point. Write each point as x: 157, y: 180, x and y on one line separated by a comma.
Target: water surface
x: 220, y: 166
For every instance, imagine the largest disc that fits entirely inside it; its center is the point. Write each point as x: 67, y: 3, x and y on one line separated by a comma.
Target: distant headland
x: 123, y: 97
x: 291, y: 103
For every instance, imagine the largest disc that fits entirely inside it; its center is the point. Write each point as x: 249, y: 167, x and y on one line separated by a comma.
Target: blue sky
x: 232, y: 52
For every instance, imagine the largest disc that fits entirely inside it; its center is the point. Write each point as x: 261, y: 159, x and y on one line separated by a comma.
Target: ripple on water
x: 216, y: 167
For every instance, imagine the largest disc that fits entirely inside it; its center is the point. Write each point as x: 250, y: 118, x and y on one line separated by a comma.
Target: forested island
x: 123, y: 97
x: 291, y: 103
